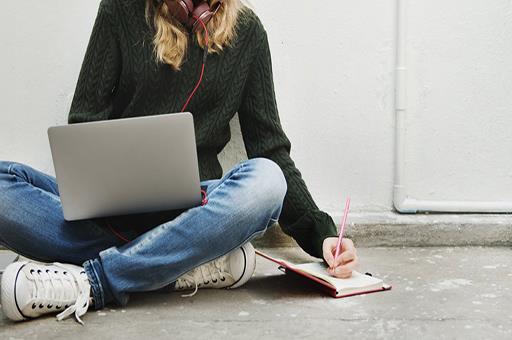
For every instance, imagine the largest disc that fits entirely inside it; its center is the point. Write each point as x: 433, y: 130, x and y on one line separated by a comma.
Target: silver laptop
x: 126, y: 166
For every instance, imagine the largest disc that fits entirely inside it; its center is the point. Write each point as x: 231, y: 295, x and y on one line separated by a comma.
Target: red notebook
x: 315, y: 273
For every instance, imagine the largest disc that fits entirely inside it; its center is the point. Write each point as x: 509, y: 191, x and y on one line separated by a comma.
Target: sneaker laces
x: 213, y: 270
x: 51, y: 287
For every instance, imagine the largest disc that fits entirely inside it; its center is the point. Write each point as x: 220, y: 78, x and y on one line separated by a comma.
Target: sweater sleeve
x: 93, y: 97
x: 263, y: 136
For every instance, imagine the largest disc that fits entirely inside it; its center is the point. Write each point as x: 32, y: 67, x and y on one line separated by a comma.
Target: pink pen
x: 340, y: 236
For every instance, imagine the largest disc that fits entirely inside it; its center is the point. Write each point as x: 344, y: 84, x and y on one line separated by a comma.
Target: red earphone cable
x: 203, y: 192
x: 195, y: 89
x: 206, y: 39
x: 117, y: 234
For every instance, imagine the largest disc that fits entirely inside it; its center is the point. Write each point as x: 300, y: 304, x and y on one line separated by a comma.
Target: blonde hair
x: 171, y: 37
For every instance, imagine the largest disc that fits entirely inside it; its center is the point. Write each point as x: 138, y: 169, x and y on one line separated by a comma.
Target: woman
x: 145, y: 57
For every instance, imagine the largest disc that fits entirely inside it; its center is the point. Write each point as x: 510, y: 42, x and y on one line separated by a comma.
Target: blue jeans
x: 241, y: 205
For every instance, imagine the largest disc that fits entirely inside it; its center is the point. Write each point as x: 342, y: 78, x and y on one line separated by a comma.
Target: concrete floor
x: 438, y: 293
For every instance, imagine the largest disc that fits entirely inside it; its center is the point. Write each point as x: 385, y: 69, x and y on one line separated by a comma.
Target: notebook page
x: 357, y: 280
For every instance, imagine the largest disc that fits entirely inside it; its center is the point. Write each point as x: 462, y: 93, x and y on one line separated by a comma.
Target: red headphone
x: 190, y: 12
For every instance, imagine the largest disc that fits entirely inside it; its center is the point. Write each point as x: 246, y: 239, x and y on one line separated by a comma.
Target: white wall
x: 334, y: 76
x: 333, y: 67
x: 459, y: 58
x: 42, y: 44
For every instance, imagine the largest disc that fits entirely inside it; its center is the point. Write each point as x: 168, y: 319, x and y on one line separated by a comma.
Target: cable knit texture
x: 120, y: 78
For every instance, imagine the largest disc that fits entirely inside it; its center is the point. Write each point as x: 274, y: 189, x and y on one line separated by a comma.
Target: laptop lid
x: 126, y: 166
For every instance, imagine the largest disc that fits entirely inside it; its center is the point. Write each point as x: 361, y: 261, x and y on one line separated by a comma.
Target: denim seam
x: 11, y: 173
x: 18, y: 180
x: 98, y: 285
x: 242, y: 165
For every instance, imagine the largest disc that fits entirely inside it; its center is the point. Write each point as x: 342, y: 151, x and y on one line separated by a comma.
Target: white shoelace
x: 211, y: 271
x: 51, y: 287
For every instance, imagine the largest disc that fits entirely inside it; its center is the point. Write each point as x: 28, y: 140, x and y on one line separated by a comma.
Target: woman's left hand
x: 347, y: 258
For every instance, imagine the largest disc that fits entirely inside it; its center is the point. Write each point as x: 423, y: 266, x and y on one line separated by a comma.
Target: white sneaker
x: 229, y: 271
x: 31, y: 289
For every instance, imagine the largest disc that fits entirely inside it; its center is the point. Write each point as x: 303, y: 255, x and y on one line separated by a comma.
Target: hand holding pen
x: 339, y: 252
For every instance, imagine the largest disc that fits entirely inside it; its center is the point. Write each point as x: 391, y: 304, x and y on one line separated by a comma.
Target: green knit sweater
x: 120, y: 78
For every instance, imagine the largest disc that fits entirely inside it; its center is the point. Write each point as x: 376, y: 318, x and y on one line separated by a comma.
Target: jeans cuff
x: 91, y: 268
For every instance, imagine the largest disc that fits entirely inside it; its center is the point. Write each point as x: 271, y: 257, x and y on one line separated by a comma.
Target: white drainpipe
x: 401, y: 201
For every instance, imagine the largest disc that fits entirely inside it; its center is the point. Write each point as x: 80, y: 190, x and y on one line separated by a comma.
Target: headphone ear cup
x: 180, y: 9
x: 201, y: 11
